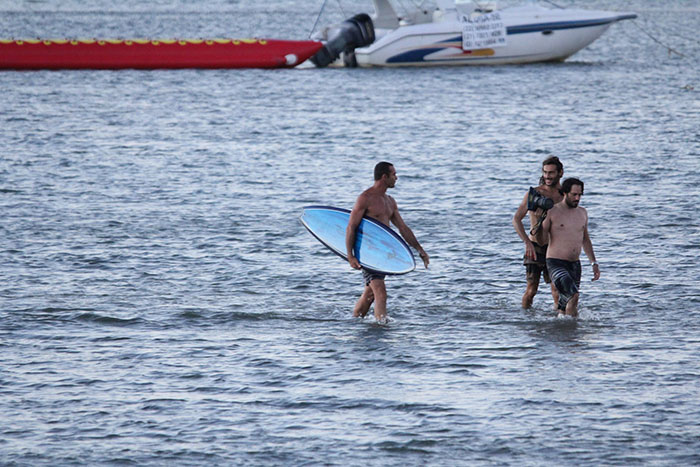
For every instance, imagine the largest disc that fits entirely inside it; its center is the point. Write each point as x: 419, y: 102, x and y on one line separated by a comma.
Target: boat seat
x: 386, y: 17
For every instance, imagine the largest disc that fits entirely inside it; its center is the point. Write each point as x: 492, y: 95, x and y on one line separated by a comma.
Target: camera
x: 536, y: 201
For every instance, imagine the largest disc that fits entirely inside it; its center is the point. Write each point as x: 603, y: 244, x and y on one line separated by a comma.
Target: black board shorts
x: 368, y: 275
x: 566, y: 276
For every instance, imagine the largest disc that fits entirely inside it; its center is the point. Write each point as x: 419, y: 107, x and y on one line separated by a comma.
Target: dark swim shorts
x: 368, y: 275
x: 534, y: 268
x: 567, y: 278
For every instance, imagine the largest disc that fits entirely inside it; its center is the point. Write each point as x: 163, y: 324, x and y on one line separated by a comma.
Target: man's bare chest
x: 380, y: 208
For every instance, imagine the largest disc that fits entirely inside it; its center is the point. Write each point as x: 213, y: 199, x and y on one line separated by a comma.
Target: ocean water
x: 161, y: 303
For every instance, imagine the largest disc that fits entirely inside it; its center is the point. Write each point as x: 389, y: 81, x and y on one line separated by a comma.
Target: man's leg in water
x: 379, y: 290
x: 572, y: 306
x: 530, y: 291
x: 363, y: 303
x: 555, y: 295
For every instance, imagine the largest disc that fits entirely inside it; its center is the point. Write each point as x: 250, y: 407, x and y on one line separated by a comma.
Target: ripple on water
x: 159, y: 295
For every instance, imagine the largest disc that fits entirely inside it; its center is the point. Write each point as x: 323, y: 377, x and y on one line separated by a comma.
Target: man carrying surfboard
x: 374, y: 202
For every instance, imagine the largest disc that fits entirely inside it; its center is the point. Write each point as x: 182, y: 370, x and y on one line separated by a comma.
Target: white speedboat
x: 472, y: 33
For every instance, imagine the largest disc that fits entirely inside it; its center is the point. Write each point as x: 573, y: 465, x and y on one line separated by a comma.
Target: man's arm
x: 355, y: 218
x: 520, y: 229
x: 408, y: 235
x: 588, y: 249
x: 547, y: 223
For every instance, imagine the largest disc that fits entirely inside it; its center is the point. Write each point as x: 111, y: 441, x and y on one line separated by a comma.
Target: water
x: 160, y: 302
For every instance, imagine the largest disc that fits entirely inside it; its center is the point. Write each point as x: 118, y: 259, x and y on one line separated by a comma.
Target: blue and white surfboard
x: 377, y: 246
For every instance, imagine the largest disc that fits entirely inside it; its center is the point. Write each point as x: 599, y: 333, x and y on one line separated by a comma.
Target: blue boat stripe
x: 413, y: 55
x: 539, y: 27
x: 558, y: 26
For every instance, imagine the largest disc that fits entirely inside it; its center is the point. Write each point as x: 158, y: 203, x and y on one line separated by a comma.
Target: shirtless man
x: 536, y: 242
x: 567, y: 226
x: 375, y: 203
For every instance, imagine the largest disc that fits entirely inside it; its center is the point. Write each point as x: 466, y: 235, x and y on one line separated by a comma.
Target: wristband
x: 594, y: 263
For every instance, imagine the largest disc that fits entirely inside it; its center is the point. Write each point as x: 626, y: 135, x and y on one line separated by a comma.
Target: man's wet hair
x: 382, y: 168
x: 568, y: 183
x: 554, y: 160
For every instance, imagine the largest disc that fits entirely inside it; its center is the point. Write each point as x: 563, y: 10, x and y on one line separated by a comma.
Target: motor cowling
x: 357, y: 31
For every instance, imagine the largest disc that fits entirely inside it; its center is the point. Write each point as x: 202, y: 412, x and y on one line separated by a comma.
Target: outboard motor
x: 357, y: 31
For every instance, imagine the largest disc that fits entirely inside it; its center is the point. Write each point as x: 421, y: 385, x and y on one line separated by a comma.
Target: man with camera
x: 567, y: 227
x: 537, y: 202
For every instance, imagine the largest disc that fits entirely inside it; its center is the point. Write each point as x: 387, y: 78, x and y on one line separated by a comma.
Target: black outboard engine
x: 357, y: 31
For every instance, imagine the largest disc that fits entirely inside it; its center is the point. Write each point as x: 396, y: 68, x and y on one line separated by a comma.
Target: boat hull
x: 530, y: 37
x: 154, y: 54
